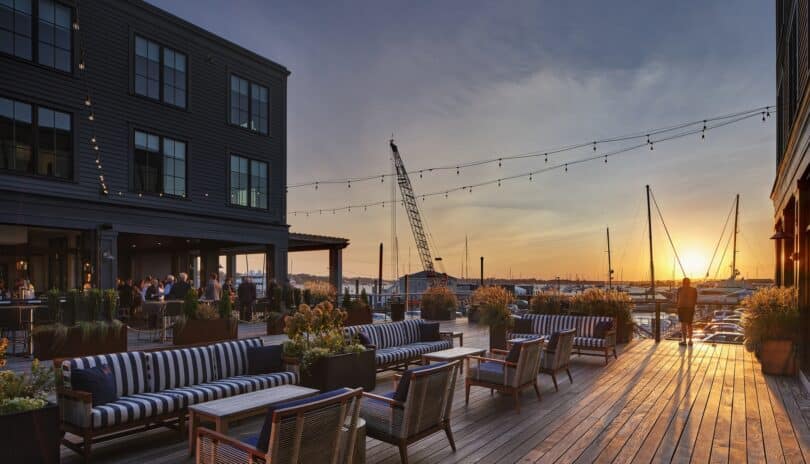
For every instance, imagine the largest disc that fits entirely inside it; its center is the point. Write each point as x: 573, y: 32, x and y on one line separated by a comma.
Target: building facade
x: 791, y: 188
x: 135, y: 143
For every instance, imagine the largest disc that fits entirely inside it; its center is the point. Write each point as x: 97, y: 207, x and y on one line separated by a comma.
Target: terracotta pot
x: 31, y: 436
x: 196, y: 331
x: 778, y: 357
x: 75, y: 343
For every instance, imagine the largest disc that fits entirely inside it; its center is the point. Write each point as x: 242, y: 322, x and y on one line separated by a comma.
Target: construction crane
x: 414, y: 217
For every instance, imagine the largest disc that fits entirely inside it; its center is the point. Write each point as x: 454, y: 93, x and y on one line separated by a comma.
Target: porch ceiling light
x: 780, y: 235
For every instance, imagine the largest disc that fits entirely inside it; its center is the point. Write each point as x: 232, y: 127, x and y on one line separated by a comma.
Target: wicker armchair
x: 510, y: 375
x: 557, y: 355
x: 319, y: 429
x: 424, y: 411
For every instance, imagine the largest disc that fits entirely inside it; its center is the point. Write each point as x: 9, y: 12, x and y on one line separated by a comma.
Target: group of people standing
x: 132, y: 294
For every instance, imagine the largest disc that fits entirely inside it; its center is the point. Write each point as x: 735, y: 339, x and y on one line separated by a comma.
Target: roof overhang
x: 308, y: 242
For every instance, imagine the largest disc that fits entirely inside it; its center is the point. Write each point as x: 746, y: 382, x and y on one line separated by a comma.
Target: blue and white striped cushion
x: 251, y: 383
x: 368, y: 329
x: 411, y: 351
x: 231, y: 357
x: 587, y: 325
x: 180, y: 368
x: 587, y: 342
x: 538, y: 322
x: 134, y: 407
x: 201, y: 393
x: 131, y: 370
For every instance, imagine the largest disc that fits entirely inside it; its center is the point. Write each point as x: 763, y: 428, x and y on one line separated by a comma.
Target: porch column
x: 209, y: 259
x: 106, y: 257
x: 276, y: 264
x: 336, y: 269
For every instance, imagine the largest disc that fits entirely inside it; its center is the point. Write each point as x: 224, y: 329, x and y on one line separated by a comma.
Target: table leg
x: 193, y: 421
x: 461, y: 339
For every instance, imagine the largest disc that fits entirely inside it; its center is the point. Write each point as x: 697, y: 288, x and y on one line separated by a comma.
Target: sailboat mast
x: 610, y: 267
x: 734, y: 255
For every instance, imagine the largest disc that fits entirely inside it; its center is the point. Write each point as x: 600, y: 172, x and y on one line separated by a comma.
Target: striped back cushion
x: 558, y: 323
x: 587, y: 324
x: 539, y: 323
x: 231, y: 357
x: 400, y: 333
x: 351, y: 331
x: 181, y: 368
x: 131, y: 370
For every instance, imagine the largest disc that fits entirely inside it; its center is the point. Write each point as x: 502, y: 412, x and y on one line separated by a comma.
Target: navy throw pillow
x: 401, y: 393
x: 429, y: 332
x: 514, y: 353
x: 523, y: 326
x: 264, y: 359
x: 602, y: 328
x: 267, y: 428
x: 552, y: 342
x: 98, y: 381
x: 363, y: 339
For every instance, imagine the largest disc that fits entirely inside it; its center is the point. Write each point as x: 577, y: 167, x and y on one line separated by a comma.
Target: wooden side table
x: 452, y: 335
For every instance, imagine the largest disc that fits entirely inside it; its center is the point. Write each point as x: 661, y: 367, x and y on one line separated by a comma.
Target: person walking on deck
x: 687, y: 299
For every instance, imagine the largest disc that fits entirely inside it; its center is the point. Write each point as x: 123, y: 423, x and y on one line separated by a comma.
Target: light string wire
x: 89, y: 102
x: 764, y: 111
x: 530, y: 174
x: 720, y: 240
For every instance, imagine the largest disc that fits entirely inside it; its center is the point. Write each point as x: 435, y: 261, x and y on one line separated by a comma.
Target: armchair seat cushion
x: 492, y: 372
x: 589, y: 342
x: 134, y: 407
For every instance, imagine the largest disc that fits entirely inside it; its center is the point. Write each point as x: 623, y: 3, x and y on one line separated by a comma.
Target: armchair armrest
x: 75, y: 406
x: 498, y: 351
x: 208, y: 437
x: 496, y: 360
x: 390, y: 401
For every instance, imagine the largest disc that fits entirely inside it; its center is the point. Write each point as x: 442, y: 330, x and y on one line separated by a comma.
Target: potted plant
x: 439, y: 303
x: 110, y: 304
x: 317, y: 291
x: 358, y: 312
x: 204, y: 324
x: 493, y: 306
x: 326, y: 360
x: 612, y: 303
x: 771, y: 326
x: 548, y: 303
x: 30, y: 423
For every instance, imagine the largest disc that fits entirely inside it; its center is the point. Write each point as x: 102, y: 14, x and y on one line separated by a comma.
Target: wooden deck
x: 656, y: 403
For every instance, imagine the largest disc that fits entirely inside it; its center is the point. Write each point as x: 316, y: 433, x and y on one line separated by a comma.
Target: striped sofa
x: 398, y: 344
x: 585, y: 342
x: 156, y: 387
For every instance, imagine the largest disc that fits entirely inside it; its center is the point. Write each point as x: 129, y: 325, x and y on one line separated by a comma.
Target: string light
x: 594, y: 146
x: 469, y: 187
x: 546, y: 160
x: 499, y: 162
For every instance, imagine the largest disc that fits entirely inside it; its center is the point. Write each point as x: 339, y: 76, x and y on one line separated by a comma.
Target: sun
x: 694, y: 263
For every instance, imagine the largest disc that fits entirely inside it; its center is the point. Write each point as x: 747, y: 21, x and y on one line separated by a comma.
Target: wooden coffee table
x: 453, y: 354
x: 226, y: 410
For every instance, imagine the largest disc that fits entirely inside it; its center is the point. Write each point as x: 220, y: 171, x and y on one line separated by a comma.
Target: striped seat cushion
x: 412, y: 351
x: 181, y: 368
x: 588, y: 342
x: 131, y: 370
x: 231, y: 357
x: 389, y: 334
x: 203, y: 392
x: 251, y: 383
x: 134, y: 407
x: 546, y: 324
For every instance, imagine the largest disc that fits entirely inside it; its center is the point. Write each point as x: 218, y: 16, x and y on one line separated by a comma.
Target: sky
x: 458, y: 81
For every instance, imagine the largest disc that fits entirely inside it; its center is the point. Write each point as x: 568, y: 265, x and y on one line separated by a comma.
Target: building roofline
x: 180, y: 22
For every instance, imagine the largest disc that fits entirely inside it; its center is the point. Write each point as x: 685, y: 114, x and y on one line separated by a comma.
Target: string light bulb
x: 546, y: 155
x: 566, y: 167
x: 499, y: 162
x: 87, y: 101
x: 91, y: 117
x: 594, y: 146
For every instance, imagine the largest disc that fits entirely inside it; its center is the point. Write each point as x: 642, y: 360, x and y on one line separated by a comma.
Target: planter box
x: 47, y: 346
x: 778, y: 357
x: 624, y: 332
x: 275, y: 326
x: 31, y: 436
x: 358, y: 316
x: 397, y: 312
x: 350, y: 370
x: 197, y: 331
x: 438, y: 314
x: 474, y: 314
x: 497, y: 338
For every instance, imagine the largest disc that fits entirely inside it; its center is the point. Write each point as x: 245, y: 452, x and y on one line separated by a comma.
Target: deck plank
x: 657, y: 403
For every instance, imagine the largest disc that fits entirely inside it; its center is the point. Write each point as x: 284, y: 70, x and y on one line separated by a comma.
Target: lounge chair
x: 557, y: 355
x: 518, y: 370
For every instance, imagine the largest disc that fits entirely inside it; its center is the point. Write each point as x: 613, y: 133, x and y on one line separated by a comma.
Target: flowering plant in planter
x: 316, y: 332
x: 493, y: 303
x: 25, y: 391
x: 439, y: 302
x: 772, y: 314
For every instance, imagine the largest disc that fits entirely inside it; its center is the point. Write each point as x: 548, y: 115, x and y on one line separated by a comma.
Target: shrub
x: 24, y: 391
x: 53, y: 303
x: 493, y: 306
x: 110, y: 304
x: 225, y: 305
x: 94, y: 301
x: 772, y: 314
x: 599, y: 302
x: 364, y: 296
x: 191, y: 305
x: 548, y: 303
x: 320, y: 291
x: 316, y: 332
x: 277, y: 295
x: 439, y: 299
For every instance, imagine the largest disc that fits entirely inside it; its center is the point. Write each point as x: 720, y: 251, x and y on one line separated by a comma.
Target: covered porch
x: 333, y: 245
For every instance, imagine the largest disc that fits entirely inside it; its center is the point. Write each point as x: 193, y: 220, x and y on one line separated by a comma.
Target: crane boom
x: 412, y: 208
